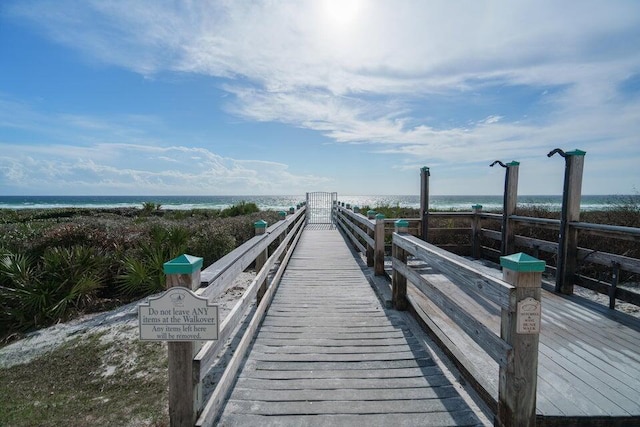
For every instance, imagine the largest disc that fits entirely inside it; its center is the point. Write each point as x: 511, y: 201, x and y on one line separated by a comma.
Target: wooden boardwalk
x: 589, y: 357
x: 329, y: 354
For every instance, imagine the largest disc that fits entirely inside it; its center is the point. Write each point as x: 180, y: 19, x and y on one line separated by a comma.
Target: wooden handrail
x: 218, y: 276
x: 516, y: 352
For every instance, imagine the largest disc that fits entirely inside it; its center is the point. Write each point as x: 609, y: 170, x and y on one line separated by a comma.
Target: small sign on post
x: 528, y: 316
x: 178, y: 315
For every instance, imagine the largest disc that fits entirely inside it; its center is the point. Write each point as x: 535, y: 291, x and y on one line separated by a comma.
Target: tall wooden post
x: 260, y: 228
x: 378, y: 252
x: 370, y: 215
x: 399, y: 282
x: 424, y: 202
x: 507, y: 245
x: 184, y: 393
x: 521, y: 329
x: 568, y: 237
x: 476, y: 227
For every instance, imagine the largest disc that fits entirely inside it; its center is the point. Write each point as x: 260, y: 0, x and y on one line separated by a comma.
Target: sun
x: 341, y: 13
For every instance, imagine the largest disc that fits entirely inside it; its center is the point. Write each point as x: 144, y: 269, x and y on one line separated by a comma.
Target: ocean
x: 588, y: 202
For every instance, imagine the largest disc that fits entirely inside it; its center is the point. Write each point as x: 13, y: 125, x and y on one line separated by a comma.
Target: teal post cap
x: 576, y: 152
x: 402, y: 223
x: 282, y: 213
x: 380, y: 216
x: 260, y: 224
x: 371, y: 212
x: 184, y: 264
x: 523, y: 263
x: 513, y: 163
x: 291, y: 209
x: 425, y: 168
x: 476, y: 206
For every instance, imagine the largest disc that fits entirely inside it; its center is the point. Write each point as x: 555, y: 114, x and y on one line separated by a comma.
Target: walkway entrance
x: 319, y: 207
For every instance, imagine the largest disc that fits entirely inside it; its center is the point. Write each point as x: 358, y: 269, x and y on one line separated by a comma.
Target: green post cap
x: 282, y: 214
x: 380, y: 216
x: 402, y: 223
x: 576, y: 152
x: 513, y: 163
x: 371, y: 212
x: 184, y: 264
x: 522, y: 262
x: 424, y: 168
x: 292, y: 209
x: 260, y: 224
x: 356, y: 209
x: 476, y: 207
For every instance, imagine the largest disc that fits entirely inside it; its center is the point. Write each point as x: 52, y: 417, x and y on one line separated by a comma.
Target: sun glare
x: 341, y: 12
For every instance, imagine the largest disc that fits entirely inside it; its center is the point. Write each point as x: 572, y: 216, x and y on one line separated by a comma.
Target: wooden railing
x: 360, y: 231
x: 215, y: 280
x: 515, y: 353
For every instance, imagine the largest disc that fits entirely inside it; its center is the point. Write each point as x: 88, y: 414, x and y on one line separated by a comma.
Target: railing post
x: 292, y: 210
x: 615, y: 279
x: 568, y: 237
x: 399, y: 282
x: 476, y: 227
x: 260, y: 228
x: 185, y: 393
x: 507, y: 245
x: 424, y: 202
x: 370, y: 215
x: 282, y: 216
x: 378, y: 252
x: 520, y: 328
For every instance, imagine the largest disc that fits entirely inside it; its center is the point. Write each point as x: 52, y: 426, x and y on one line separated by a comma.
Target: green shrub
x: 242, y: 208
x: 63, y: 281
x: 142, y: 271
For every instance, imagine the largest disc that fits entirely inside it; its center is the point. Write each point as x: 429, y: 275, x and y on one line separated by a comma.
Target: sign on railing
x: 178, y: 315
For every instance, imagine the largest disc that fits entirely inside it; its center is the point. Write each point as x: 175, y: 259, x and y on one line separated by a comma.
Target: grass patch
x: 88, y: 381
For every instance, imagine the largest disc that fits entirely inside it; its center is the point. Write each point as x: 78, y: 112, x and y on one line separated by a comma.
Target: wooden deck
x: 589, y: 359
x: 328, y: 353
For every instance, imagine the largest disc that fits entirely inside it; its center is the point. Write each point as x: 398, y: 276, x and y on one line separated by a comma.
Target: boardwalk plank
x: 443, y: 419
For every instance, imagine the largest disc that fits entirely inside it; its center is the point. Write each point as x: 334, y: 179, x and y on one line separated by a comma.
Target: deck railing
x: 515, y: 351
x: 474, y: 240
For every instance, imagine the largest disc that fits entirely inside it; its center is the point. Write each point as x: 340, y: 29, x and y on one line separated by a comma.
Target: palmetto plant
x: 142, y: 272
x: 48, y: 289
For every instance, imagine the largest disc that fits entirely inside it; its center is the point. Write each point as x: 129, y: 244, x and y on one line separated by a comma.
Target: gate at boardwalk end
x: 320, y: 206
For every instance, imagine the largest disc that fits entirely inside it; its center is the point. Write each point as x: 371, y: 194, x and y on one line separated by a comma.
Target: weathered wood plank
x: 333, y: 384
x: 443, y: 419
x: 447, y: 405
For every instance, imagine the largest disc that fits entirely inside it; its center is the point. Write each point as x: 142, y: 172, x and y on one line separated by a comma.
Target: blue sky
x: 284, y: 97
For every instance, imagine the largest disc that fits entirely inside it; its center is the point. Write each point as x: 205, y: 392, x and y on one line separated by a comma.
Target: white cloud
x: 157, y: 170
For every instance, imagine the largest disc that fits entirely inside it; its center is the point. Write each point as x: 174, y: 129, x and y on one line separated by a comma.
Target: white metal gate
x: 320, y: 207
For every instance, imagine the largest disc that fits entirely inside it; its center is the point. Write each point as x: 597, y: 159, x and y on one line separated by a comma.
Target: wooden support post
x: 476, y: 227
x: 507, y: 245
x: 371, y: 214
x: 378, y: 252
x: 568, y: 237
x: 282, y: 215
x: 398, y: 281
x: 185, y: 393
x: 260, y: 228
x: 520, y: 328
x: 424, y: 202
x: 614, y: 285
